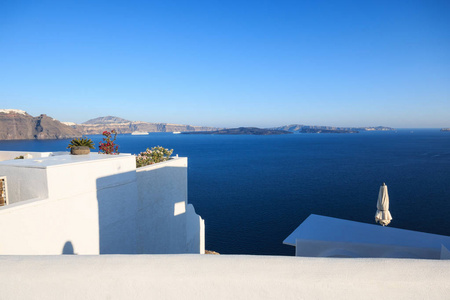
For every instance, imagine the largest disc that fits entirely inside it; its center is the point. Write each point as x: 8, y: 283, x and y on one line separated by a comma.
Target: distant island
x: 297, y: 128
x: 241, y: 131
x: 445, y: 129
x: 320, y: 130
x: 291, y: 129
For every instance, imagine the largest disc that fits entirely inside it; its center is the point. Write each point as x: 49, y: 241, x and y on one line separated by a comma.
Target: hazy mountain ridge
x: 19, y: 125
x: 100, y: 124
x: 243, y: 131
x: 329, y: 129
x: 106, y: 120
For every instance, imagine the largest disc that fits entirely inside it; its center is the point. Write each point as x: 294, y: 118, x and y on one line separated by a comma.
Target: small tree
x: 108, y: 146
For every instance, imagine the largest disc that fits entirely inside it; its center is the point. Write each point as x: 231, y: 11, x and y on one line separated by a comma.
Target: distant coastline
x: 298, y: 128
x: 18, y: 125
x: 290, y: 129
x: 445, y: 129
x: 320, y: 130
x: 242, y: 131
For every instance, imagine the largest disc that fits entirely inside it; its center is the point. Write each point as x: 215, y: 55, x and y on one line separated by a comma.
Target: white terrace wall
x: 321, y: 236
x: 24, y: 182
x: 91, y: 205
x: 311, y: 248
x: 168, y: 224
x: 80, y: 207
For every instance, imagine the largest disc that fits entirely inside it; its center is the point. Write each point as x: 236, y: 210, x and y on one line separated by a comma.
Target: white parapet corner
x: 445, y: 253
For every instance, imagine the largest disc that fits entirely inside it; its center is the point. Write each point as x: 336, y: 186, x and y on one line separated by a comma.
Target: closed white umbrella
x: 383, y: 216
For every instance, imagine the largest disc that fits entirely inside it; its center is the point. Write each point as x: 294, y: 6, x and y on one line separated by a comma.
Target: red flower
x: 108, y: 146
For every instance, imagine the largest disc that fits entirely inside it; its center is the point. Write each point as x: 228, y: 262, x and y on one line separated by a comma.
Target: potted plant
x: 81, y: 146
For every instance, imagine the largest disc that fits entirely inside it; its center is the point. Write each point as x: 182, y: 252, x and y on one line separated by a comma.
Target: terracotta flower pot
x: 80, y: 150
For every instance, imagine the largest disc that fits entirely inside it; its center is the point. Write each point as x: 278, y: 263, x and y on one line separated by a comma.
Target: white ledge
x: 60, y: 160
x: 220, y: 277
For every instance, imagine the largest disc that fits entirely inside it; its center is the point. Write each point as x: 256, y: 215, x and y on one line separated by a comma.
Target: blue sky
x: 229, y: 63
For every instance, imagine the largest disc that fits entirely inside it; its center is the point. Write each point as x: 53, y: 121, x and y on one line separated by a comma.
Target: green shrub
x: 152, y: 156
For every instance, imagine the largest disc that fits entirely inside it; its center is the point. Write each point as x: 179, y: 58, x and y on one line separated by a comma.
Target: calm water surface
x: 253, y: 191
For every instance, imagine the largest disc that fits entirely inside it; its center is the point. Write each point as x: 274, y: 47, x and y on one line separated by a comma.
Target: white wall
x: 221, y: 277
x: 98, y: 204
x: 25, y: 183
x: 321, y: 236
x: 313, y: 248
x: 77, y: 203
x: 45, y: 226
x: 167, y: 223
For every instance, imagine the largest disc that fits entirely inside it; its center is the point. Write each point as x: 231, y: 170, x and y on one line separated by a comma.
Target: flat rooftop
x: 322, y: 228
x: 58, y: 160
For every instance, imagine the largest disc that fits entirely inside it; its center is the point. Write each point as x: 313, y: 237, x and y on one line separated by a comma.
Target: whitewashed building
x: 56, y: 203
x: 321, y: 236
x: 101, y: 204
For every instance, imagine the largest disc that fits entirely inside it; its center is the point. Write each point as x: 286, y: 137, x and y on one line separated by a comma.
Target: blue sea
x: 253, y: 191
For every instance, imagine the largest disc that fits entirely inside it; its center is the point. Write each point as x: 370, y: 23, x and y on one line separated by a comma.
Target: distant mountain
x: 106, y: 120
x: 100, y: 124
x: 328, y: 129
x: 18, y: 125
x: 242, y: 131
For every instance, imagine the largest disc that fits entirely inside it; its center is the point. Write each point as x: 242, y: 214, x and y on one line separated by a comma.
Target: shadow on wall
x: 68, y: 248
x: 166, y: 223
x: 146, y: 212
x: 117, y: 213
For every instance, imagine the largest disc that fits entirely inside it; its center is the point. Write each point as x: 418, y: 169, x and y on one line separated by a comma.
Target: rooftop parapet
x: 97, y: 204
x: 61, y: 175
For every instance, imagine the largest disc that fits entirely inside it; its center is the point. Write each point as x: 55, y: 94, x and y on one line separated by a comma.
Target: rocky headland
x: 18, y: 125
